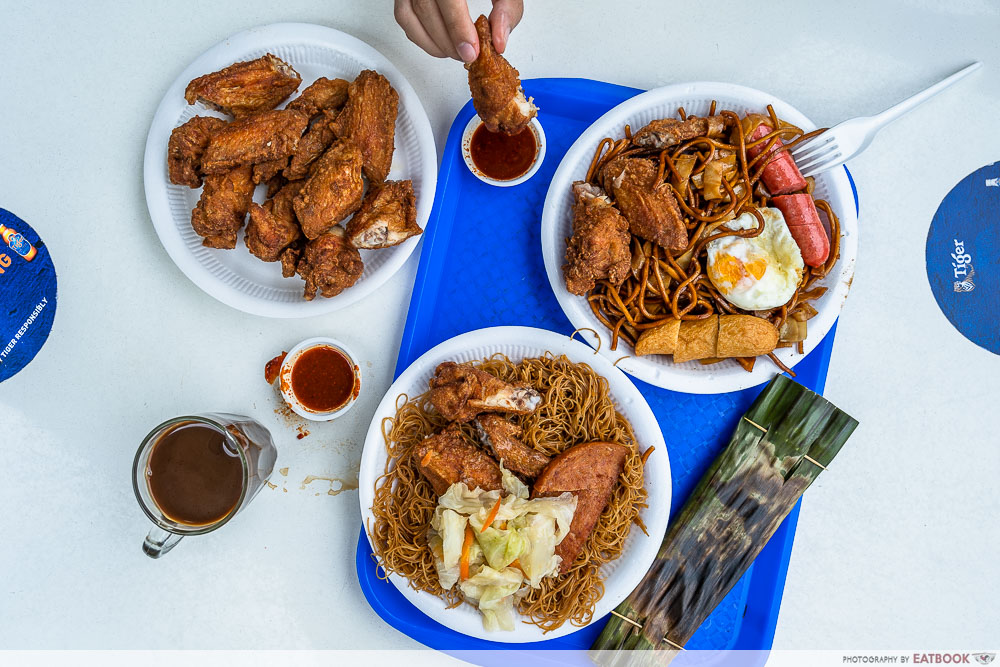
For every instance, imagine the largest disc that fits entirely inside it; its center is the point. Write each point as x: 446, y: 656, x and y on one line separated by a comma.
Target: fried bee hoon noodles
x: 667, y: 284
x: 576, y: 408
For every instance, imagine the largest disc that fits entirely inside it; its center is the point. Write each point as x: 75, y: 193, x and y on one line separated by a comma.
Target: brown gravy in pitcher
x: 193, y: 476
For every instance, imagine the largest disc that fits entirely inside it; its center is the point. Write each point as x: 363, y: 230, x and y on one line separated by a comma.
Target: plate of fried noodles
x: 580, y: 400
x: 708, y: 263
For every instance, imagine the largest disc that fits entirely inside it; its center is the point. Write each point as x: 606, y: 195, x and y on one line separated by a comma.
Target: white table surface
x: 896, y: 545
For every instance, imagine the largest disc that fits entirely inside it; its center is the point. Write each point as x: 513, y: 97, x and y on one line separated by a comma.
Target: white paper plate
x: 235, y: 277
x: 660, y: 370
x: 622, y: 575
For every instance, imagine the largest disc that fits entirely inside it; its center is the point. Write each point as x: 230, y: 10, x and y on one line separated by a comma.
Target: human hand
x: 444, y: 28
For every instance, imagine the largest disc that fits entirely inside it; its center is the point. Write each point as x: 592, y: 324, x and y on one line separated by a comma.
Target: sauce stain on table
x: 344, y: 484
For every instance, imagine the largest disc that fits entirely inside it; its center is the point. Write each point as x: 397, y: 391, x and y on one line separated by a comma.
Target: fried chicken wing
x: 265, y: 171
x: 289, y: 258
x: 329, y: 264
x: 313, y: 144
x: 387, y: 217
x: 503, y: 438
x: 369, y: 119
x: 446, y: 458
x: 651, y: 209
x: 333, y: 191
x: 273, y: 227
x: 246, y: 87
x: 496, y: 87
x: 186, y: 146
x: 599, y: 247
x: 269, y: 135
x: 321, y: 95
x: 223, y: 207
x: 666, y: 132
x: 460, y: 392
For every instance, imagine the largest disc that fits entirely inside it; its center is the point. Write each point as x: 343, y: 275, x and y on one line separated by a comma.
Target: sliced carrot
x: 427, y: 457
x: 491, y: 516
x: 463, y: 562
x: 517, y: 564
x: 645, y: 454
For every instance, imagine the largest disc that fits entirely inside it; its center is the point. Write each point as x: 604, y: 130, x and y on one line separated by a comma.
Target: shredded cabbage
x: 524, y: 533
x: 501, y: 547
x: 493, y: 592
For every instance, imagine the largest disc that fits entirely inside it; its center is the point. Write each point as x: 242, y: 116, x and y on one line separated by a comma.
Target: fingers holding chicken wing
x: 246, y: 87
x: 496, y: 87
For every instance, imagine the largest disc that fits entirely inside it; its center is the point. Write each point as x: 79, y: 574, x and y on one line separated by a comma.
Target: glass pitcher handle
x: 159, y: 542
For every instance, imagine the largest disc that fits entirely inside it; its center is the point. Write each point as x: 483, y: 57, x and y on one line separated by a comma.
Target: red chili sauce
x: 323, y: 379
x: 500, y: 156
x: 273, y: 367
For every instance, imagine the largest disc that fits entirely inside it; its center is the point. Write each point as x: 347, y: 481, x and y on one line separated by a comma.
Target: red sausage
x: 807, y: 229
x: 781, y: 176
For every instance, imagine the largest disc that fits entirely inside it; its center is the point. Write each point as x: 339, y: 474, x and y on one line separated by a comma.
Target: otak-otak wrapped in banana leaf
x: 789, y: 435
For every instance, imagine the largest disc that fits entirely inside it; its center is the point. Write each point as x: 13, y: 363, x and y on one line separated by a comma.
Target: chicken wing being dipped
x: 599, y: 247
x: 269, y: 135
x: 321, y: 95
x: 369, y: 120
x: 273, y: 227
x: 245, y: 88
x: 496, y: 87
x: 503, y: 438
x: 460, y: 392
x: 186, y: 146
x: 651, y: 209
x: 333, y: 191
x: 223, y: 207
x: 387, y: 217
x: 329, y: 264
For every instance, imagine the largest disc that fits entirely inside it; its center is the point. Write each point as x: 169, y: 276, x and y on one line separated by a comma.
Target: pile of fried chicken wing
x: 315, y: 157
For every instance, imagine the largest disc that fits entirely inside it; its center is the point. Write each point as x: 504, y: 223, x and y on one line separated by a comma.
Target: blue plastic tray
x: 481, y: 266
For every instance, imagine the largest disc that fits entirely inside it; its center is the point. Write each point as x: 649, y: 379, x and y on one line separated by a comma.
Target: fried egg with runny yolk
x: 756, y: 273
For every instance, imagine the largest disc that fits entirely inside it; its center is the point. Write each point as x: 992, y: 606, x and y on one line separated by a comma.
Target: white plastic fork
x: 844, y: 141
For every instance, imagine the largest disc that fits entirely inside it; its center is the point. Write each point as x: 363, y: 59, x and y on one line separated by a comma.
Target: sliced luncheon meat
x: 446, y: 459
x: 589, y: 471
x: 781, y: 176
x: 807, y: 229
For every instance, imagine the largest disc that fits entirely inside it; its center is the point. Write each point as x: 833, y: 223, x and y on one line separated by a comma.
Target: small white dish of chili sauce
x: 320, y: 379
x: 500, y: 159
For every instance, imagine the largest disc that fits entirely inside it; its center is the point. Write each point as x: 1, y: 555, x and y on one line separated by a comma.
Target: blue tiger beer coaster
x: 963, y: 257
x: 27, y: 294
